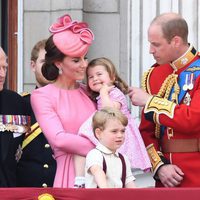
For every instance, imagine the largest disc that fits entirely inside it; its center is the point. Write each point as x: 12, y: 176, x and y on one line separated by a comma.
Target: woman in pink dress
x: 62, y: 106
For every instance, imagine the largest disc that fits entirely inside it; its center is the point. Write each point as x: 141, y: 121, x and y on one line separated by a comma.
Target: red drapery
x: 99, y: 194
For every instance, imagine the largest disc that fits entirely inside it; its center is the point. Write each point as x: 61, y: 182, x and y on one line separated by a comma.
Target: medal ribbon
x: 15, y: 119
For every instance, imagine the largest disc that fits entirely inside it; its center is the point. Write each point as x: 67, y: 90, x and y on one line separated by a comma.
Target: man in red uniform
x: 170, y: 123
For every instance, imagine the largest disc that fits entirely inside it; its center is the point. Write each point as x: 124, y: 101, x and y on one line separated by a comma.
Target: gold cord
x: 164, y: 92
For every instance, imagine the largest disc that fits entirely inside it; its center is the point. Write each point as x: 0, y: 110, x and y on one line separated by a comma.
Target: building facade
x: 120, y: 28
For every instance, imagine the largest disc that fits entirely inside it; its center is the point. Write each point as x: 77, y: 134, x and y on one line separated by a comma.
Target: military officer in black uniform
x: 14, y: 122
x: 37, y: 167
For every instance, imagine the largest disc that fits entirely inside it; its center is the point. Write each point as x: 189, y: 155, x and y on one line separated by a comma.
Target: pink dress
x: 133, y: 146
x: 60, y: 114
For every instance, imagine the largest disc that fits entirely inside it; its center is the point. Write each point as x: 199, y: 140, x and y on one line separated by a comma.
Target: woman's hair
x: 110, y: 68
x: 53, y: 54
x: 103, y: 116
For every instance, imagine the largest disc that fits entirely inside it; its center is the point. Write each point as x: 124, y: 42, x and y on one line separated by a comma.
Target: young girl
x: 108, y: 89
x: 109, y: 128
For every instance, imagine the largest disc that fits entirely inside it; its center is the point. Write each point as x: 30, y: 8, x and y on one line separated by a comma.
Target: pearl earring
x: 60, y: 71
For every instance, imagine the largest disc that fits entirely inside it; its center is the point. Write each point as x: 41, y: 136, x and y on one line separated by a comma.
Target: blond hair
x: 102, y: 116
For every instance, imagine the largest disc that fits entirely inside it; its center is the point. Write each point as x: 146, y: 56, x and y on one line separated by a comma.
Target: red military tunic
x: 182, y: 117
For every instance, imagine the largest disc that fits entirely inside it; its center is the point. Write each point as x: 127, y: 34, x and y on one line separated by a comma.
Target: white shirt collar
x: 105, y: 150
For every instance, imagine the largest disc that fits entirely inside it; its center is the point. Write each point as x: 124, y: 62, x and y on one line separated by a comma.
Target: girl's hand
x: 105, y: 89
x: 106, y: 101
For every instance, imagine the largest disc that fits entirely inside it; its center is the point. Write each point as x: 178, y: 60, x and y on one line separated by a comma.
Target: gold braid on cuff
x: 154, y: 157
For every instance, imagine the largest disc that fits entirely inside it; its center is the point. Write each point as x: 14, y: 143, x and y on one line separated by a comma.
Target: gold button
x: 44, y: 185
x: 46, y: 145
x: 46, y: 166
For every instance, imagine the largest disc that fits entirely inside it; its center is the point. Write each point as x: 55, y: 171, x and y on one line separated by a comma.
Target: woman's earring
x: 60, y: 71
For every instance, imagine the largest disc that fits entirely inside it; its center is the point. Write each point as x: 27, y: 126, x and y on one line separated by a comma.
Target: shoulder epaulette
x: 145, y: 80
x: 23, y: 94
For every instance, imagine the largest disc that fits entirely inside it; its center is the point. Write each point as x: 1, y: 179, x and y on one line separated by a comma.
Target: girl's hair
x: 53, y: 54
x: 103, y: 116
x: 110, y: 68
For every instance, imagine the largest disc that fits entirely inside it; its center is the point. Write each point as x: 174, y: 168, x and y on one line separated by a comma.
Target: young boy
x: 105, y: 167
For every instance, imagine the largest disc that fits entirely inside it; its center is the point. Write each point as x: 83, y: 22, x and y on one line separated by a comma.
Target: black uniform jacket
x: 11, y: 103
x: 37, y: 167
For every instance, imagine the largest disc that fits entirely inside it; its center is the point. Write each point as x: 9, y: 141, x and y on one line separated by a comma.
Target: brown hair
x: 53, y: 54
x: 103, y: 116
x: 172, y: 24
x: 110, y: 68
x: 35, y: 50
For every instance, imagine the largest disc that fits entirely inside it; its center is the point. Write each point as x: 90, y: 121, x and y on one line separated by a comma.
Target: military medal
x: 18, y: 154
x: 187, y: 99
x: 191, y: 79
x: 190, y: 86
x: 185, y: 86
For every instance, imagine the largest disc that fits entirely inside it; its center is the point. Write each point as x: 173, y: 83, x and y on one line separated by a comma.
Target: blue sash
x: 193, y: 68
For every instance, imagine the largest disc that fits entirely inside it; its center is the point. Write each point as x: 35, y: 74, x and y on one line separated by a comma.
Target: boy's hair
x: 35, y: 51
x: 102, y: 116
x: 112, y: 71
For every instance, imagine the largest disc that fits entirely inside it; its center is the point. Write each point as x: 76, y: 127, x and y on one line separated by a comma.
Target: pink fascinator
x: 71, y: 37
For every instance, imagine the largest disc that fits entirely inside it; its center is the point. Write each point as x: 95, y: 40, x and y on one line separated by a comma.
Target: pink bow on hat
x: 62, y: 24
x: 65, y: 23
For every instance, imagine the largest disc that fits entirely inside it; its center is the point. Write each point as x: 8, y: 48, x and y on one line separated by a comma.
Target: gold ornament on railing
x: 46, y: 196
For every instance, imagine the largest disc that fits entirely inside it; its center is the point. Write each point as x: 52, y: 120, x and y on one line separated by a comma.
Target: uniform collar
x: 186, y: 58
x: 105, y: 150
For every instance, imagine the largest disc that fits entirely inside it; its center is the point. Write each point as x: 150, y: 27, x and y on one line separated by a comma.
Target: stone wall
x: 103, y: 17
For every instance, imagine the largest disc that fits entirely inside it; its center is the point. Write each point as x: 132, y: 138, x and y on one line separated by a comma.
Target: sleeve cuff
x: 156, y: 158
x: 159, y: 106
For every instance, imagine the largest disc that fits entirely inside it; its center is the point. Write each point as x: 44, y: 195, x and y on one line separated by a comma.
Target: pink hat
x: 71, y: 37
